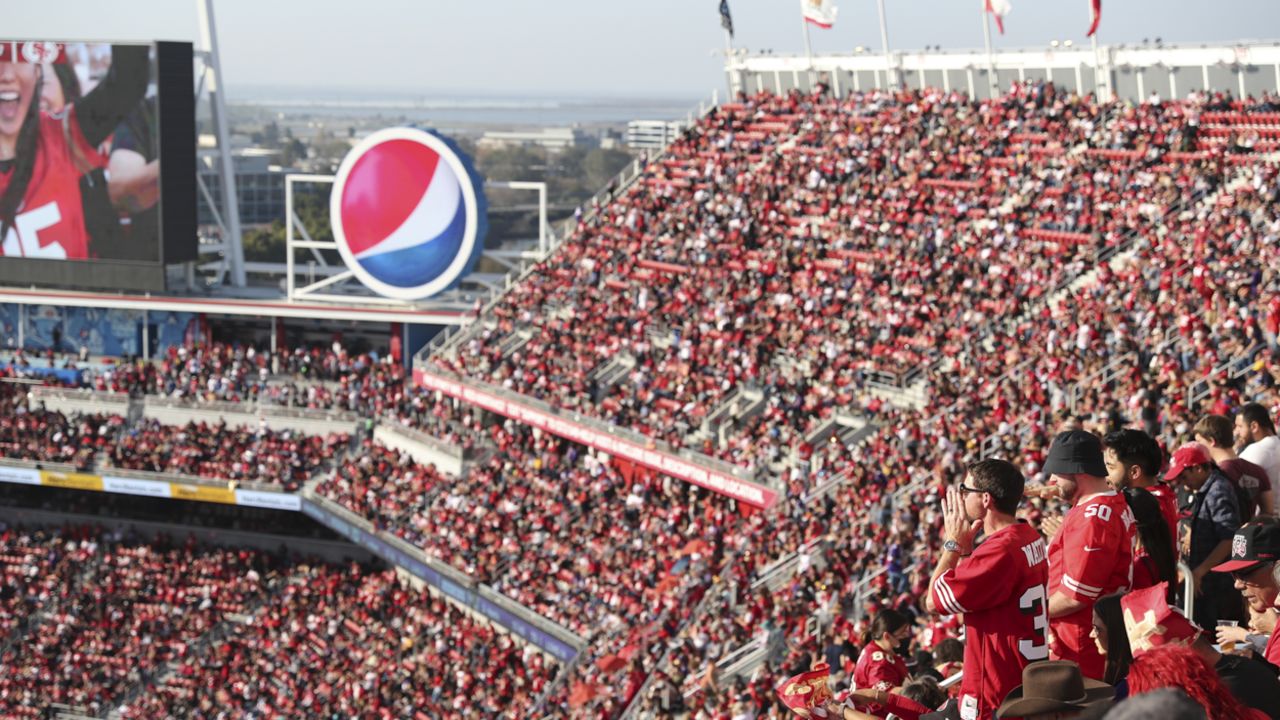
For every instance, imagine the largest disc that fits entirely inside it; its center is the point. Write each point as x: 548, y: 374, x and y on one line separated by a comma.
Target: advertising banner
x: 663, y: 462
x: 133, y: 486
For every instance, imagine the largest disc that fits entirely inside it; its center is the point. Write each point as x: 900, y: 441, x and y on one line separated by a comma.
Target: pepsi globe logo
x: 406, y: 213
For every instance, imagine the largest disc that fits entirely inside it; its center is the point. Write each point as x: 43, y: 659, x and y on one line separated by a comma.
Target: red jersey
x: 50, y: 221
x: 1091, y: 556
x: 1272, y: 652
x: 1168, y: 499
x: 1001, y: 590
x: 878, y: 669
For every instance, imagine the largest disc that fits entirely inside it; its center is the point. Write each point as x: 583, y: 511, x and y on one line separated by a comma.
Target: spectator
x: 1154, y: 559
x: 1112, y: 639
x: 1177, y: 666
x: 881, y: 665
x: 1054, y: 689
x: 1082, y: 566
x: 1255, y: 549
x: 1256, y: 437
x: 1252, y: 682
x: 1252, y: 482
x: 1006, y: 621
x: 948, y: 658
x: 1211, y: 522
x: 1134, y: 460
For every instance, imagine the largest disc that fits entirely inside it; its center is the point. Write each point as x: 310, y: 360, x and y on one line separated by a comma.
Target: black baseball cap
x: 1076, y: 451
x: 1255, y: 543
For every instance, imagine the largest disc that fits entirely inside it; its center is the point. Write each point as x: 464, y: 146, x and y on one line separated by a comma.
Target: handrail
x: 1234, y: 367
x: 259, y: 408
x: 393, y: 424
x: 63, y: 393
x: 1188, y: 589
x: 39, y: 465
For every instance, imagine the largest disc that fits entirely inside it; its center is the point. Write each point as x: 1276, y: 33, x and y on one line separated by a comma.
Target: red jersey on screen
x: 1001, y: 590
x: 878, y: 669
x: 50, y: 221
x: 1091, y: 556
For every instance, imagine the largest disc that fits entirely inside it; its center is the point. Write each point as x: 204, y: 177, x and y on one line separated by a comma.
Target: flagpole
x: 1093, y: 43
x: 728, y: 60
x: 804, y: 25
x: 993, y: 81
x: 891, y: 76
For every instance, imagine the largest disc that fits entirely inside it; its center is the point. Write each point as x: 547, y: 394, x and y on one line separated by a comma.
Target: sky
x: 587, y: 48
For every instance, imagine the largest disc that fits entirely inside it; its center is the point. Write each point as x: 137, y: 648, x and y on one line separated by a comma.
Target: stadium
x: 892, y: 384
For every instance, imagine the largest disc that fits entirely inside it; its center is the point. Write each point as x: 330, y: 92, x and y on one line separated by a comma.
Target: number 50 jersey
x: 1001, y: 590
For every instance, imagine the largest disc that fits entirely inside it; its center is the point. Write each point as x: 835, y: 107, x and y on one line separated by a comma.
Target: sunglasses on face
x: 1243, y: 575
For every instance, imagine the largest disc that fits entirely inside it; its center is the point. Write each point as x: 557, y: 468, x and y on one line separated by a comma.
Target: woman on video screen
x: 43, y: 155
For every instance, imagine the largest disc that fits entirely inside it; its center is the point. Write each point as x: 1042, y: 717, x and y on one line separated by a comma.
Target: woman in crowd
x: 44, y: 155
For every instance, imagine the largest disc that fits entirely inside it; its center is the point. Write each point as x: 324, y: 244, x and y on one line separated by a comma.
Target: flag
x: 726, y: 20
x: 819, y: 12
x: 998, y: 9
x: 1095, y: 7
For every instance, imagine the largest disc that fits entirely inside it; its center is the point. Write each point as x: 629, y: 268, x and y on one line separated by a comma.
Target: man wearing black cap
x: 1091, y: 554
x: 1255, y: 549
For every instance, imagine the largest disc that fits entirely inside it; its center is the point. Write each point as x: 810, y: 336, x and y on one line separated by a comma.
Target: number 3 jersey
x: 1001, y: 590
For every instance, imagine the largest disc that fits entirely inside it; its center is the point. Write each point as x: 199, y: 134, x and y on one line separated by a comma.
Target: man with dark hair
x: 1133, y: 459
x: 1211, y: 522
x: 999, y: 586
x: 1091, y: 555
x: 1256, y: 438
x: 1251, y: 481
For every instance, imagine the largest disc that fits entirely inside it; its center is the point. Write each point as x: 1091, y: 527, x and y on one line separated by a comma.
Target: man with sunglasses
x: 999, y: 585
x: 1254, y: 552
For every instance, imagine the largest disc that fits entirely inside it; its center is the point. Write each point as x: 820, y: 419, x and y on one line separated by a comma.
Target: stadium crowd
x: 547, y: 524
x: 767, y: 237
x: 351, y: 642
x: 277, y: 457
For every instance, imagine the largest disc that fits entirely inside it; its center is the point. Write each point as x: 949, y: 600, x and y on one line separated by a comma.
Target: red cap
x: 1189, y: 455
x: 1150, y: 621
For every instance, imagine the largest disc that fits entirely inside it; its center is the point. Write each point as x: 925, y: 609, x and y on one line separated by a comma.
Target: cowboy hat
x: 1053, y: 686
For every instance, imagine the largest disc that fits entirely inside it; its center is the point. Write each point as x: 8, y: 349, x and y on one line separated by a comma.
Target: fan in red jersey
x: 1092, y: 553
x: 1005, y: 619
x: 44, y: 155
x: 881, y: 665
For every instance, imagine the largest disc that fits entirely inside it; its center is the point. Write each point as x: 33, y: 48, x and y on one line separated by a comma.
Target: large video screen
x: 82, y: 177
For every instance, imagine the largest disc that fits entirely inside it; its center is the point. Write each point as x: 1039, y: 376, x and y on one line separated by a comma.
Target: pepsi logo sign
x: 406, y: 212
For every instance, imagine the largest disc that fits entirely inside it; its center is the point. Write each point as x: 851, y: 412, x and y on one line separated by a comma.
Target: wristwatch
x: 952, y: 546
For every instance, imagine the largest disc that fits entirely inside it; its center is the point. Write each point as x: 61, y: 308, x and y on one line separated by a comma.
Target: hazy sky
x: 654, y: 48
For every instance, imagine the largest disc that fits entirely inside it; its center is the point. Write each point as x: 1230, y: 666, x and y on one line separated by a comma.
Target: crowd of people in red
x: 101, y: 621
x: 806, y: 246
x: 28, y: 433
x: 97, y: 612
x: 351, y: 642
x: 262, y: 455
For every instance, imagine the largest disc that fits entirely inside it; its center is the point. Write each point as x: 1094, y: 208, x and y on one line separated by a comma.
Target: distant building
x: 259, y: 183
x: 652, y: 134
x: 549, y: 138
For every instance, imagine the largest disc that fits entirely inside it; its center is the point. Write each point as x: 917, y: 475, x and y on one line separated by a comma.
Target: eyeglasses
x: 965, y: 489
